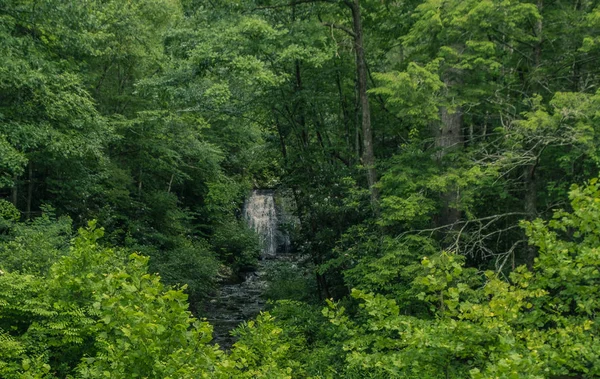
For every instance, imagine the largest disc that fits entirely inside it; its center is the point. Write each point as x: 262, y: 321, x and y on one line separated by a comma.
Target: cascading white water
x: 234, y: 303
x: 261, y: 215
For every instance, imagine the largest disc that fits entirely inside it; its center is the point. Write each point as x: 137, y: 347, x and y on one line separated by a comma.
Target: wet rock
x: 236, y: 302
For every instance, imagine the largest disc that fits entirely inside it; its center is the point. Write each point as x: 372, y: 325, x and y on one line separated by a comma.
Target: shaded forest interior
x: 438, y: 158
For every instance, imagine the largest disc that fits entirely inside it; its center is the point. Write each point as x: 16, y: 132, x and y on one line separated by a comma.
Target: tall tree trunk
x: 361, y: 73
x: 529, y: 179
x: 344, y: 116
x: 140, y: 184
x: 322, y: 287
x: 530, y: 198
x: 448, y: 137
x: 281, y: 138
x: 299, y: 104
x: 170, y: 183
x: 29, y: 191
x: 357, y: 134
x: 530, y: 205
x: 538, y: 33
x: 14, y: 192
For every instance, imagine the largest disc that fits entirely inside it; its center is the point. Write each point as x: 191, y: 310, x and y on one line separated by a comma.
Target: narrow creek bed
x: 235, y: 303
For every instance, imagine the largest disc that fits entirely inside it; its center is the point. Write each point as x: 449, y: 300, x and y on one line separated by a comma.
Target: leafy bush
x: 189, y: 264
x: 290, y: 281
x: 9, y: 215
x: 541, y: 323
x: 32, y: 247
x: 236, y: 244
x: 98, y: 312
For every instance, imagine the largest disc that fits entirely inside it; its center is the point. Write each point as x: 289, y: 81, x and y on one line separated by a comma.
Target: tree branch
x: 293, y: 3
x: 340, y: 27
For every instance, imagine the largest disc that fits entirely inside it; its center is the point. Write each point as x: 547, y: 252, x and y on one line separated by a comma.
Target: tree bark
x: 530, y: 198
x: 299, y: 104
x: 357, y: 135
x: 281, y: 138
x: 538, y: 33
x: 449, y: 137
x: 140, y: 184
x: 344, y: 116
x: 170, y: 183
x: 29, y: 191
x: 361, y: 73
x: 14, y: 192
x: 529, y: 179
x: 530, y: 205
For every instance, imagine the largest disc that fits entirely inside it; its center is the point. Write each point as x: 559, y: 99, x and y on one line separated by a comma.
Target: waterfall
x: 235, y: 303
x: 261, y: 214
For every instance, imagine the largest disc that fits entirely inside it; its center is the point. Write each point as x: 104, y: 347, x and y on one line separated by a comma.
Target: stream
x: 233, y: 304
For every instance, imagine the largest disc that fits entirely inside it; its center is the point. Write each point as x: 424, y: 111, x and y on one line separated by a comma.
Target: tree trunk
x: 140, y: 184
x: 361, y: 73
x: 529, y: 179
x: 344, y: 116
x: 530, y: 205
x: 357, y: 136
x: 530, y: 198
x: 448, y: 137
x: 170, y: 183
x: 281, y: 138
x: 299, y: 104
x: 29, y: 191
x: 538, y: 33
x: 322, y: 287
x: 14, y: 192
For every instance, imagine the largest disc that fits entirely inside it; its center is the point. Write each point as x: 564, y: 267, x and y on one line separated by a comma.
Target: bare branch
x: 340, y: 27
x: 473, y: 237
x: 293, y: 3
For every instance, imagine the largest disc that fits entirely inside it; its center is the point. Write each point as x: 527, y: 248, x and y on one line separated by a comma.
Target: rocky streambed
x: 234, y: 303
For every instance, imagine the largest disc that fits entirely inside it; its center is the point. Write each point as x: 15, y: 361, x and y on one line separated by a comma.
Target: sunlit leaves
x: 540, y: 323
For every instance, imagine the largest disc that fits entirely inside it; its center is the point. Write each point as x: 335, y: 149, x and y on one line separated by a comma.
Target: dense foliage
x: 440, y: 156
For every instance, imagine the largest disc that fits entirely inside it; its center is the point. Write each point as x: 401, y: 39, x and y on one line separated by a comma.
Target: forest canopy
x: 441, y: 158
